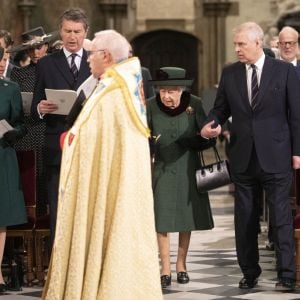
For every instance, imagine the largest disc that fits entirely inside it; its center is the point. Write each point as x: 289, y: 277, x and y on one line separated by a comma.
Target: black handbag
x: 209, y: 177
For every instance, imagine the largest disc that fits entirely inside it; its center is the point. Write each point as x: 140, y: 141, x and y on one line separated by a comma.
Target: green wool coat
x: 178, y: 205
x: 12, y: 208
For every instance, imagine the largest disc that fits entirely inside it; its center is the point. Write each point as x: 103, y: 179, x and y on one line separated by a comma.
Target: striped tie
x: 73, y: 66
x: 254, y: 87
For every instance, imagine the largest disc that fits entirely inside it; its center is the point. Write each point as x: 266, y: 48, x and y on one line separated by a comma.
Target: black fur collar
x: 184, y: 103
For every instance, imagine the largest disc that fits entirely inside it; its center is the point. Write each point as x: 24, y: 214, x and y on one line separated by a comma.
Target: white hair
x: 254, y: 31
x: 289, y: 29
x: 114, y: 42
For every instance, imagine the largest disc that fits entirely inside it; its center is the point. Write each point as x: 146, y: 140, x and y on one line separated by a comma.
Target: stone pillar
x: 114, y: 11
x: 215, y: 12
x: 26, y: 6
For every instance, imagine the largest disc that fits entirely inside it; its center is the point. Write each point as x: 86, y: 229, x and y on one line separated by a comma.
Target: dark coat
x: 53, y: 72
x: 12, y: 208
x: 148, y: 87
x: 177, y: 203
x: 273, y: 126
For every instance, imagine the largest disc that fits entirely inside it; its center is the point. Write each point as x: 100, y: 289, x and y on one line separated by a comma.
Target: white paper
x: 88, y: 86
x: 26, y: 100
x: 64, y: 99
x: 4, y: 127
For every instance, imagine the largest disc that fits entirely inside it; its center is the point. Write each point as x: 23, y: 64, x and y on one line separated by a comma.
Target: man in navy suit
x: 56, y: 71
x: 262, y: 96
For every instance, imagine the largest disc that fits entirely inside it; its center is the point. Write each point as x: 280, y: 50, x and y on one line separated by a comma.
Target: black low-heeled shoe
x: 3, y: 288
x: 165, y: 281
x: 183, y: 277
x: 248, y: 283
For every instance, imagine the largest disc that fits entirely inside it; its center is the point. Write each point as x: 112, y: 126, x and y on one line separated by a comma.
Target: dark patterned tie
x: 73, y: 66
x: 254, y: 87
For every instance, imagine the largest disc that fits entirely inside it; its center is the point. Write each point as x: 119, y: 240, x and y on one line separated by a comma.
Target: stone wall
x: 46, y: 13
x: 135, y: 17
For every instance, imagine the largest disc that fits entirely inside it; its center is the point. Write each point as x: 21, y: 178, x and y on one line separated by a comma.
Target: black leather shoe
x: 183, y: 277
x: 248, y: 283
x: 165, y: 280
x: 3, y: 288
x: 285, y: 285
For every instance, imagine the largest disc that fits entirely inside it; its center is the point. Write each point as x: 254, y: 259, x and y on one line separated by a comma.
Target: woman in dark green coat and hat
x: 12, y: 208
x: 175, y: 118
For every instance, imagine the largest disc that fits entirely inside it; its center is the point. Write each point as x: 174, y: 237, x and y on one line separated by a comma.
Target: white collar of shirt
x: 259, y: 66
x: 293, y: 62
x: 77, y: 58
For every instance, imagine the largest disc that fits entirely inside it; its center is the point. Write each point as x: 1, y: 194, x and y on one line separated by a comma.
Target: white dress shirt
x: 77, y: 58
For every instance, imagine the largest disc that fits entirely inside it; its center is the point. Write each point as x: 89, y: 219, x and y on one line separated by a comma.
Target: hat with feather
x: 34, y: 38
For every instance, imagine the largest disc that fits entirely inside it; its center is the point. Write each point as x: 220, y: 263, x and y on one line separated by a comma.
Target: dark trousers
x: 277, y: 186
x: 52, y: 182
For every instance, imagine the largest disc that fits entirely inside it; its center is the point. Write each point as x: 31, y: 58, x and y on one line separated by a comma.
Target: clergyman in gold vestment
x: 105, y: 244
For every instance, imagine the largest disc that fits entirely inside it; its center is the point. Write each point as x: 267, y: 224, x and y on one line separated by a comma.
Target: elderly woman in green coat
x: 12, y: 208
x: 175, y: 117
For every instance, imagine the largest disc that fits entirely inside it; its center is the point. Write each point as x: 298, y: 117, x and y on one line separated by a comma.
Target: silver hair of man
x: 114, y: 42
x: 254, y: 31
x: 289, y: 29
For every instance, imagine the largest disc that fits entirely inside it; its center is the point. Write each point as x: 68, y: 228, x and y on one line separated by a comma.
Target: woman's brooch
x: 190, y: 110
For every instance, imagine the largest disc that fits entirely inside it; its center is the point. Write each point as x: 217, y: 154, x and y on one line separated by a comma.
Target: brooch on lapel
x: 189, y: 110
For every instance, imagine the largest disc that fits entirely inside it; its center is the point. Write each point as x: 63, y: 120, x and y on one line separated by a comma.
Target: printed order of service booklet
x: 64, y: 99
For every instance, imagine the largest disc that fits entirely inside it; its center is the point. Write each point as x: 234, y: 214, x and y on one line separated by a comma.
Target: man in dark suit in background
x: 288, y: 46
x: 262, y: 96
x: 64, y: 69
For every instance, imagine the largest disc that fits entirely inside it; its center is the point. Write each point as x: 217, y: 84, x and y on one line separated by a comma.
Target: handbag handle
x: 217, y: 156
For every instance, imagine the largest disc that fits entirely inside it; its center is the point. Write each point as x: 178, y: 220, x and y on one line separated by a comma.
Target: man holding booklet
x: 66, y: 69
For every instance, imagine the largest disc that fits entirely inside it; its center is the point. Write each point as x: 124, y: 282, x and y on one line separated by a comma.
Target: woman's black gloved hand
x: 154, y: 144
x: 10, y: 137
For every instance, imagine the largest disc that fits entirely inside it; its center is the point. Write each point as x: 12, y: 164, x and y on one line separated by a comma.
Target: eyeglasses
x: 290, y: 44
x: 90, y: 52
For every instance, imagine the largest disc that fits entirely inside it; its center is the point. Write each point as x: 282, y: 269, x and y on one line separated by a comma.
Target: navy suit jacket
x: 273, y: 126
x: 53, y: 72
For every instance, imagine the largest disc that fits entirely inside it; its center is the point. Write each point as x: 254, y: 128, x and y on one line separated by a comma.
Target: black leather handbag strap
x: 201, y: 157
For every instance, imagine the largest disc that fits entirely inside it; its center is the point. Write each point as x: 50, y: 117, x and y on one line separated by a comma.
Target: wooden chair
x: 27, y: 167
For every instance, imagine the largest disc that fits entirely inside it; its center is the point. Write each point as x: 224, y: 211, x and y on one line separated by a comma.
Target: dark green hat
x: 171, y: 76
